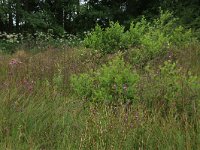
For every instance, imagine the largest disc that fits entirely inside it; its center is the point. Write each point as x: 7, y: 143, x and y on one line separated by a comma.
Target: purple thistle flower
x: 14, y: 62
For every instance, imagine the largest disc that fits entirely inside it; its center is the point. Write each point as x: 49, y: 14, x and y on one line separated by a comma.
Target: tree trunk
x: 17, y: 16
x: 1, y: 25
x: 10, y: 18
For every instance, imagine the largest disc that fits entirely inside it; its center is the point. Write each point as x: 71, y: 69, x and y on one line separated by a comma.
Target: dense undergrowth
x: 134, y: 89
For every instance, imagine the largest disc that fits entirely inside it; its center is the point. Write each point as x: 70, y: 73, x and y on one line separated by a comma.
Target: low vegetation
x: 135, y: 88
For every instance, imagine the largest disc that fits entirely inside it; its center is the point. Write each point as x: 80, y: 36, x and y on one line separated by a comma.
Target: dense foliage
x: 148, y: 39
x: 131, y: 82
x: 113, y: 83
x: 75, y: 16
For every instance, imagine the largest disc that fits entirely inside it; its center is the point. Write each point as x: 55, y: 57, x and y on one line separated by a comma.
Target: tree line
x: 74, y: 16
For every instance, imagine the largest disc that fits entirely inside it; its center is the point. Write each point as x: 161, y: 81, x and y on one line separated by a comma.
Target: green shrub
x: 154, y: 43
x: 181, y: 37
x: 157, y: 37
x: 150, y: 39
x: 112, y: 83
x: 169, y: 89
x: 9, y: 42
x: 42, y: 41
x: 137, y: 31
x: 114, y: 38
x: 82, y: 85
x: 94, y: 39
x: 109, y: 40
x: 7, y: 47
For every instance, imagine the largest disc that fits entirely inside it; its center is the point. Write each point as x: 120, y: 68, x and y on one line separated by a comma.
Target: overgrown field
x: 118, y: 89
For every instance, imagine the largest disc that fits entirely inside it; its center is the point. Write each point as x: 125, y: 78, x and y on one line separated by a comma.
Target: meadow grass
x: 39, y: 111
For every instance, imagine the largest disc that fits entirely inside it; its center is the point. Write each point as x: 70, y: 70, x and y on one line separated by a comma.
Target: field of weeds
x: 115, y: 90
x: 39, y: 111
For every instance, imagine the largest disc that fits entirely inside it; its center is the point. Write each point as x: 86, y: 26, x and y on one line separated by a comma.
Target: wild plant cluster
x: 112, y: 83
x: 9, y: 43
x: 148, y: 38
x: 133, y: 89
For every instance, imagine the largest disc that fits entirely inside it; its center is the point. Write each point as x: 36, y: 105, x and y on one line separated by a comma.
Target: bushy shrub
x: 181, y: 37
x: 138, y: 30
x: 38, y: 41
x: 109, y: 40
x: 94, y: 39
x: 147, y: 39
x: 157, y: 37
x: 152, y: 44
x: 169, y: 90
x: 112, y: 83
x: 114, y: 38
x: 7, y: 47
x: 9, y: 42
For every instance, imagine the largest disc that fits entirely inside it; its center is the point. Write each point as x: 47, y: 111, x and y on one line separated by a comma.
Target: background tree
x: 73, y: 16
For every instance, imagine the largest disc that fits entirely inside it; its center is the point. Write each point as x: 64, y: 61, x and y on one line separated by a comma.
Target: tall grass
x: 145, y: 97
x: 38, y: 110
